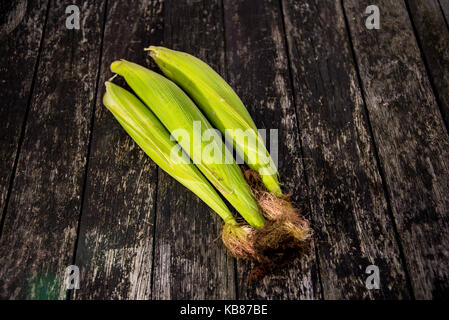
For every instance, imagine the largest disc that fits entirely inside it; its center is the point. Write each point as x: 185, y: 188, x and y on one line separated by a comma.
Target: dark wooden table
x: 364, y: 148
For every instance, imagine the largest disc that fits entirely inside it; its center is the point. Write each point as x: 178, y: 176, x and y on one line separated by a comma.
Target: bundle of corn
x: 272, y: 230
x: 226, y: 111
x: 180, y: 116
x: 154, y: 139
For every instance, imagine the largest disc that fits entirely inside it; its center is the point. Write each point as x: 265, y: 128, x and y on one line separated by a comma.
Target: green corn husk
x: 176, y: 111
x: 222, y: 106
x: 149, y: 133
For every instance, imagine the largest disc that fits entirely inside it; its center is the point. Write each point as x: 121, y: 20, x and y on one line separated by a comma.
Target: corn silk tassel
x: 226, y: 111
x: 154, y: 139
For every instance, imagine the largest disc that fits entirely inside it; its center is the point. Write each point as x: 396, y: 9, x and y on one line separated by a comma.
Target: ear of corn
x: 176, y: 111
x: 149, y: 133
x: 222, y: 106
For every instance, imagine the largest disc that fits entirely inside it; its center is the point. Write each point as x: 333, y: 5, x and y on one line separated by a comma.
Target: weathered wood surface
x: 411, y: 139
x: 41, y: 220
x: 363, y: 148
x: 190, y: 262
x: 349, y: 208
x: 20, y: 36
x: 257, y: 68
x: 115, y: 245
x: 433, y: 36
x: 444, y: 4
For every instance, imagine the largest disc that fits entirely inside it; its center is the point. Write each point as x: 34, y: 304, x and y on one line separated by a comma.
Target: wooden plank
x: 41, y: 221
x: 353, y: 227
x: 20, y: 36
x: 444, y: 4
x: 412, y: 141
x: 433, y: 36
x: 257, y: 68
x: 115, y: 246
x: 190, y: 262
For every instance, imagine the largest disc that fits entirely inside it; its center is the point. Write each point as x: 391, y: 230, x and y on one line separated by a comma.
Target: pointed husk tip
x: 153, y: 51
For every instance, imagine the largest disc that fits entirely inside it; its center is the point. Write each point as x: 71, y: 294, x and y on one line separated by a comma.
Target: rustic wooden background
x: 364, y: 148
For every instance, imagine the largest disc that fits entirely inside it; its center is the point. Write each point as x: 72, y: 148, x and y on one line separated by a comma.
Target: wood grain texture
x: 412, y: 141
x: 433, y: 36
x: 353, y: 227
x: 190, y: 261
x: 257, y: 67
x: 444, y: 4
x: 363, y: 148
x: 115, y: 246
x: 39, y: 233
x: 20, y: 38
